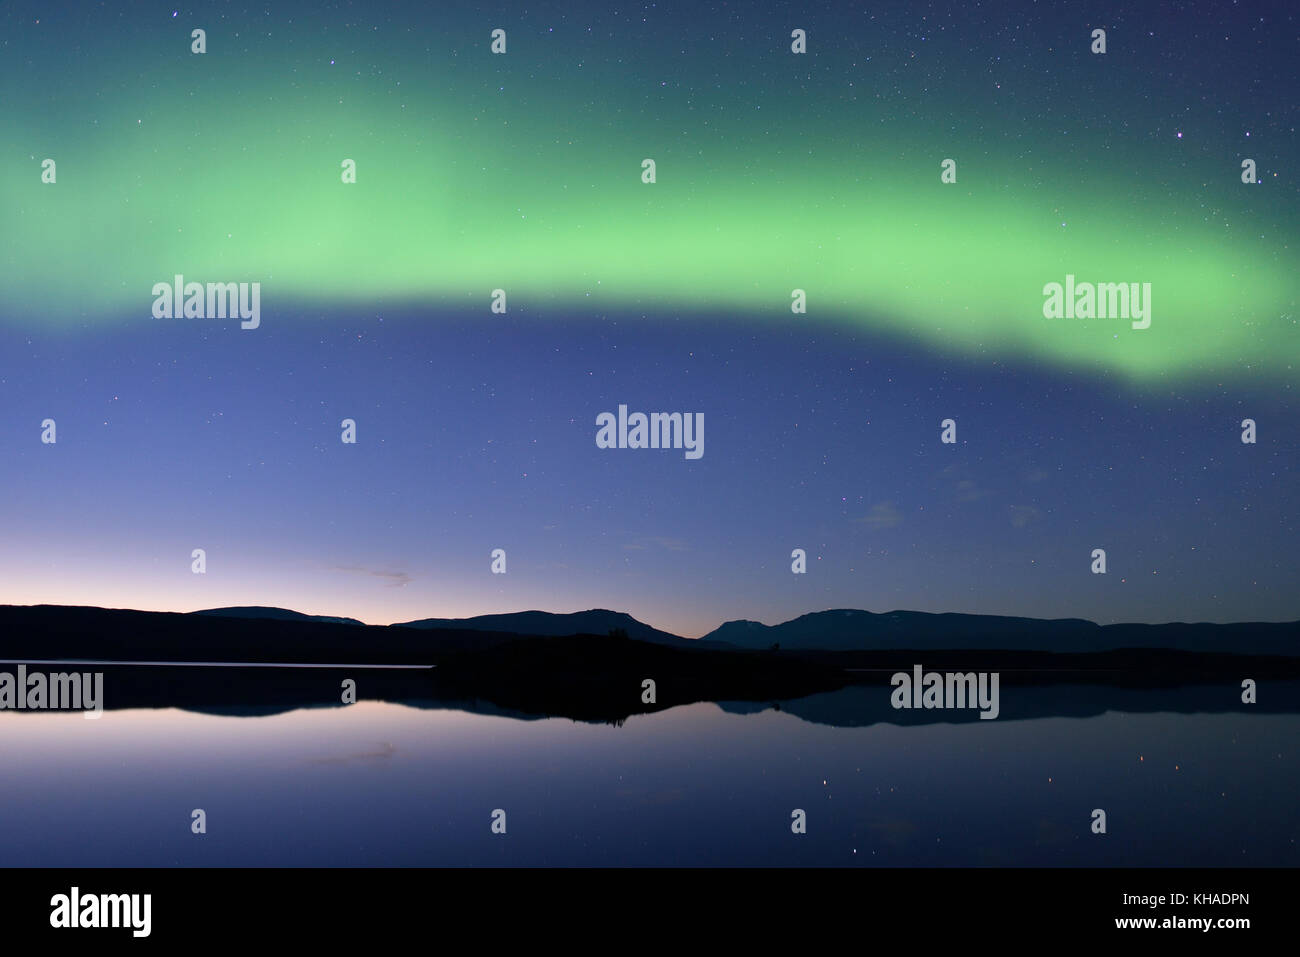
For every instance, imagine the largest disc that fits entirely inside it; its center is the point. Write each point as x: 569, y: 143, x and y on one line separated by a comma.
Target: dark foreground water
x: 391, y: 784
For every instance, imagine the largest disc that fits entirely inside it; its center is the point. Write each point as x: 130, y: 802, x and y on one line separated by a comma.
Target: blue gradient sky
x: 478, y: 433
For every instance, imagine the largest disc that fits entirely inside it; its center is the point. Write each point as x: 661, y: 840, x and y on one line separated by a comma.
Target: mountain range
x: 848, y: 629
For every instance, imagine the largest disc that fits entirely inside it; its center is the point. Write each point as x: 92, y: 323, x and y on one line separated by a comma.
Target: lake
x: 379, y: 783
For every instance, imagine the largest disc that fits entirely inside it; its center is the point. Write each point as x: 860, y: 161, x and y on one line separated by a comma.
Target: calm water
x: 378, y: 783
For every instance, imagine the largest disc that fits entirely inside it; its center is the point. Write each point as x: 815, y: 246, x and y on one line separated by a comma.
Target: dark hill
x: 279, y: 614
x: 856, y: 630
x: 597, y: 621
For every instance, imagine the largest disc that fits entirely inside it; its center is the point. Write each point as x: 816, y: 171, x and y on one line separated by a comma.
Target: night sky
x: 775, y: 171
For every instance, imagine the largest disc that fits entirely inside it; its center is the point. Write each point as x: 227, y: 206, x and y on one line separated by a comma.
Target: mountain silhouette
x: 847, y: 637
x: 597, y: 621
x: 848, y: 629
x: 278, y: 614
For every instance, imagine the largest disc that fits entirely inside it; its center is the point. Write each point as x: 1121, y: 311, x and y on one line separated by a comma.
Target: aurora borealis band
x: 775, y: 172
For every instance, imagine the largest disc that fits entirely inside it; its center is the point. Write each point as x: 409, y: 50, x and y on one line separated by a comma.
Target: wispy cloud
x: 963, y: 489
x: 1022, y: 515
x: 396, y: 579
x: 882, y: 515
x: 968, y: 491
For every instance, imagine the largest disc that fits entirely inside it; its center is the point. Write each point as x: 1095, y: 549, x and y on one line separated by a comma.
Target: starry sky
x: 775, y: 171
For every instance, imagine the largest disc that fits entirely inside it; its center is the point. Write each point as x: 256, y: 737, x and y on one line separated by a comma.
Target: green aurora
x: 234, y: 175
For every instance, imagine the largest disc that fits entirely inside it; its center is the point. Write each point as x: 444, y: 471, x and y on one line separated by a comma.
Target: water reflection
x: 384, y: 783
